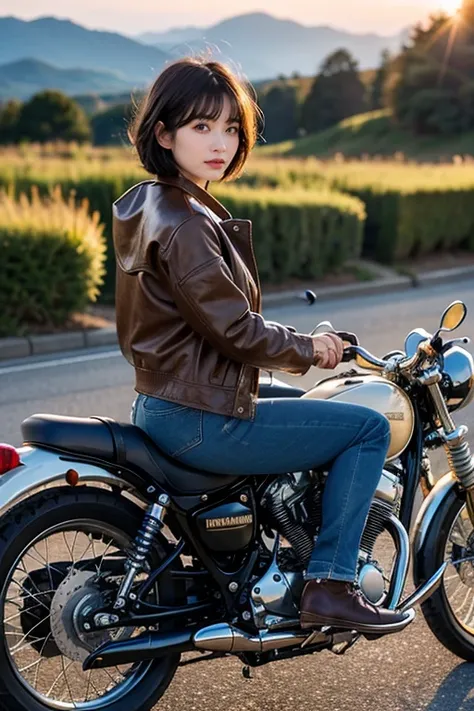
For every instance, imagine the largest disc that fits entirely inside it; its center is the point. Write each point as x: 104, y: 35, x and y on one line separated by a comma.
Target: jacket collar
x: 199, y: 193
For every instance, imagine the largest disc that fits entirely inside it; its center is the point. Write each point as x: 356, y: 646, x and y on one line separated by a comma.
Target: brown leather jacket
x: 188, y: 301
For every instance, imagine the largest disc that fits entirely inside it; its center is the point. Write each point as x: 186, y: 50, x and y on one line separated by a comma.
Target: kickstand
x: 247, y: 672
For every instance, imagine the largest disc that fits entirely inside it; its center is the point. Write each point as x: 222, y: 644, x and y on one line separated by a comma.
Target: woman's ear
x: 163, y: 136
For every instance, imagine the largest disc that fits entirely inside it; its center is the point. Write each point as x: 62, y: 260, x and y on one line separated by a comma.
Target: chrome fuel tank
x: 377, y: 393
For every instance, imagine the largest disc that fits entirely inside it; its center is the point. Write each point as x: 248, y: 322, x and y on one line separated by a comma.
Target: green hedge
x: 52, y: 260
x: 407, y: 218
x: 100, y: 192
x: 297, y: 233
x: 411, y: 209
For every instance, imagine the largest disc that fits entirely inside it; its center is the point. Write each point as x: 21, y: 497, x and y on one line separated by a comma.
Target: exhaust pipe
x: 214, y: 638
x: 424, y: 592
x: 137, y: 649
x: 226, y: 638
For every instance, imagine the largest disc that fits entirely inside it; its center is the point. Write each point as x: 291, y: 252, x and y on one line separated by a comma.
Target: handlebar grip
x: 348, y: 337
x: 348, y: 355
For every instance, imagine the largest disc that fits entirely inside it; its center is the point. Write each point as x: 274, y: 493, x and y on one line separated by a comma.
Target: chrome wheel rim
x: 458, y: 580
x: 57, y: 681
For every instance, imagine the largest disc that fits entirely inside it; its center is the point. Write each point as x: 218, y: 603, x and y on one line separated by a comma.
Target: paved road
x: 407, y: 672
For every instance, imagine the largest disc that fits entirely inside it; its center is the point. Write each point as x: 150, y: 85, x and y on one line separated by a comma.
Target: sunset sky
x: 134, y: 16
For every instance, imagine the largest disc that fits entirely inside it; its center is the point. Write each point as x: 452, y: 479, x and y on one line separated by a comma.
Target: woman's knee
x: 376, y: 426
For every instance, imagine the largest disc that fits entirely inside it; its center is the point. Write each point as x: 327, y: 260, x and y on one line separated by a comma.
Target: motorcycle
x: 115, y: 559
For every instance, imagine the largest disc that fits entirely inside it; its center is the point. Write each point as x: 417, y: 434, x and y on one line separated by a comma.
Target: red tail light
x: 9, y: 458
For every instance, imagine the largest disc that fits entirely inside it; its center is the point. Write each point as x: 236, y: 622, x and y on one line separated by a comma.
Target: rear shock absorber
x: 141, y: 547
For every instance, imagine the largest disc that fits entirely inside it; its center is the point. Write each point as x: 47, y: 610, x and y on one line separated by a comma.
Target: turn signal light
x: 9, y: 458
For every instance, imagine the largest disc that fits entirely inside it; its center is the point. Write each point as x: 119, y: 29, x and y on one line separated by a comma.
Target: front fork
x: 455, y: 443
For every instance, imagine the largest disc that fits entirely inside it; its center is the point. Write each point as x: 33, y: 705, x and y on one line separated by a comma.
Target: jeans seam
x: 195, y: 442
x: 164, y: 413
x: 343, y: 518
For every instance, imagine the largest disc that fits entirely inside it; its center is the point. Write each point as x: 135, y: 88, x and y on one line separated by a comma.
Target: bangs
x: 210, y: 105
x: 186, y: 90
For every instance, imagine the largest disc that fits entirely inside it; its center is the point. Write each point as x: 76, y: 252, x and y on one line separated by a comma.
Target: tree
x: 110, y: 127
x: 377, y: 89
x: 9, y: 117
x: 52, y: 116
x: 435, y: 87
x: 336, y: 93
x: 280, y: 107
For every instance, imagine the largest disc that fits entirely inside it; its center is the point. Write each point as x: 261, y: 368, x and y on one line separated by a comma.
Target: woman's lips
x: 215, y: 163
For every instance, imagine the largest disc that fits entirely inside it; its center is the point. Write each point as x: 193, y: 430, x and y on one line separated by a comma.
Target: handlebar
x: 426, y: 348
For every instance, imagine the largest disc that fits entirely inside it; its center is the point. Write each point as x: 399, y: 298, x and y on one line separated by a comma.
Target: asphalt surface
x: 406, y: 672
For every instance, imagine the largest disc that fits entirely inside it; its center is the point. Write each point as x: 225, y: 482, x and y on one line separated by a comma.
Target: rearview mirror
x: 453, y: 316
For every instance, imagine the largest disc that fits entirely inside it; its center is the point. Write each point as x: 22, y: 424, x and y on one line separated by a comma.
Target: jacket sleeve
x: 212, y: 304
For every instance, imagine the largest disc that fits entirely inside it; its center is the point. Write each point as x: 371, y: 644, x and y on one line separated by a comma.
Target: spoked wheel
x: 61, y: 554
x: 450, y: 610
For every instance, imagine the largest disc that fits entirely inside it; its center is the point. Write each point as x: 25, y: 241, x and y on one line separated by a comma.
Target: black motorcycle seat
x: 120, y: 444
x: 125, y: 445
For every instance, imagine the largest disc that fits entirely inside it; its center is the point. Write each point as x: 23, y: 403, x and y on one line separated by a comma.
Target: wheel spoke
x: 48, y: 562
x: 47, y: 638
x: 28, y: 633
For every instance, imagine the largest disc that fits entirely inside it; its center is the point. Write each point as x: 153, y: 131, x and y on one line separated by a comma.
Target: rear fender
x: 41, y: 468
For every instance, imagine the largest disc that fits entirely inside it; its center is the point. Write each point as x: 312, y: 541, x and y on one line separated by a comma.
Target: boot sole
x: 309, y: 621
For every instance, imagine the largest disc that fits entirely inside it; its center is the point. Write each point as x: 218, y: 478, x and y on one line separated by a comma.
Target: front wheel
x: 449, y: 612
x: 59, y: 550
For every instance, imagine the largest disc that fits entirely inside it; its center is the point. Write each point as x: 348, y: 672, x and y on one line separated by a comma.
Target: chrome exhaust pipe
x: 227, y: 638
x: 400, y: 571
x: 423, y: 592
x: 214, y: 638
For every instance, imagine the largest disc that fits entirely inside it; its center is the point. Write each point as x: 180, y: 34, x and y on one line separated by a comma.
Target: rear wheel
x: 60, y: 551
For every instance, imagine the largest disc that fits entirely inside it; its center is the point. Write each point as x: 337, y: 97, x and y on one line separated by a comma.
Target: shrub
x: 411, y: 210
x: 52, y: 259
x: 297, y: 233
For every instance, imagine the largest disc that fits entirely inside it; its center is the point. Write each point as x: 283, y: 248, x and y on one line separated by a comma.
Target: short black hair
x: 187, y: 89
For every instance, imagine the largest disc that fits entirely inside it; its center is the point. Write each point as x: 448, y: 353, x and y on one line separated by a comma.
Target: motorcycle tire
x: 24, y: 524
x: 437, y: 610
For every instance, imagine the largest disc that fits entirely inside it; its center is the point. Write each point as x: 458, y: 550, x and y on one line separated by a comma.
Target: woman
x: 188, y: 318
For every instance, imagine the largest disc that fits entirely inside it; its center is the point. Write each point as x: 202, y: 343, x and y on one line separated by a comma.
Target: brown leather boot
x: 337, y: 604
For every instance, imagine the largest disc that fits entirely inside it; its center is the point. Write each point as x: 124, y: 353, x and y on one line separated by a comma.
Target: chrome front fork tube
x: 457, y: 447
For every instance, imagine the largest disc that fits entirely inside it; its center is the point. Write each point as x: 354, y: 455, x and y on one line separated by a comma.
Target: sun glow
x: 450, y: 6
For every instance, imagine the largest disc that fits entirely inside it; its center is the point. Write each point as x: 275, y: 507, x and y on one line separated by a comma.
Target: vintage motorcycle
x: 115, y: 559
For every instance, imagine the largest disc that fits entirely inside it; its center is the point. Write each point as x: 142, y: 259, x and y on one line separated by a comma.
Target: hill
x: 374, y: 134
x: 26, y: 77
x: 264, y: 46
x: 66, y: 45
x: 303, y: 84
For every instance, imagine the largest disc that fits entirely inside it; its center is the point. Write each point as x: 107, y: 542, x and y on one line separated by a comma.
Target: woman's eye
x: 201, y: 126
x: 233, y: 129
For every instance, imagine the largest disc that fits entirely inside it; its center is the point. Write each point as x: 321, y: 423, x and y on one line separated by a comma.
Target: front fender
x: 445, y: 490
x: 41, y: 468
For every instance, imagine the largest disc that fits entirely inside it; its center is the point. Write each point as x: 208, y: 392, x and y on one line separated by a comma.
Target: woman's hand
x: 328, y: 350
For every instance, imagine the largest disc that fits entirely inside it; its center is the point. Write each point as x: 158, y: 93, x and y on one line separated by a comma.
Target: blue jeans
x: 287, y: 435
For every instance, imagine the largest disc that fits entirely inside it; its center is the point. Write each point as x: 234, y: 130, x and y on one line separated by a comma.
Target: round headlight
x: 459, y: 381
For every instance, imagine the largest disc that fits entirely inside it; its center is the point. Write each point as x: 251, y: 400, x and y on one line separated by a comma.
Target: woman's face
x: 203, y: 149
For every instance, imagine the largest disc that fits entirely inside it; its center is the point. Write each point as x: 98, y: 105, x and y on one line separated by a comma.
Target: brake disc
x: 76, y: 596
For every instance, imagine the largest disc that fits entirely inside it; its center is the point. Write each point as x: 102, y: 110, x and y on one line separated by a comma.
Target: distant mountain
x: 264, y: 46
x: 67, y: 45
x: 26, y: 77
x: 172, y: 37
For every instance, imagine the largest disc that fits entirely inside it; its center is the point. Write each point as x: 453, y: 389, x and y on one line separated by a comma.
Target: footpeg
x: 342, y: 641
